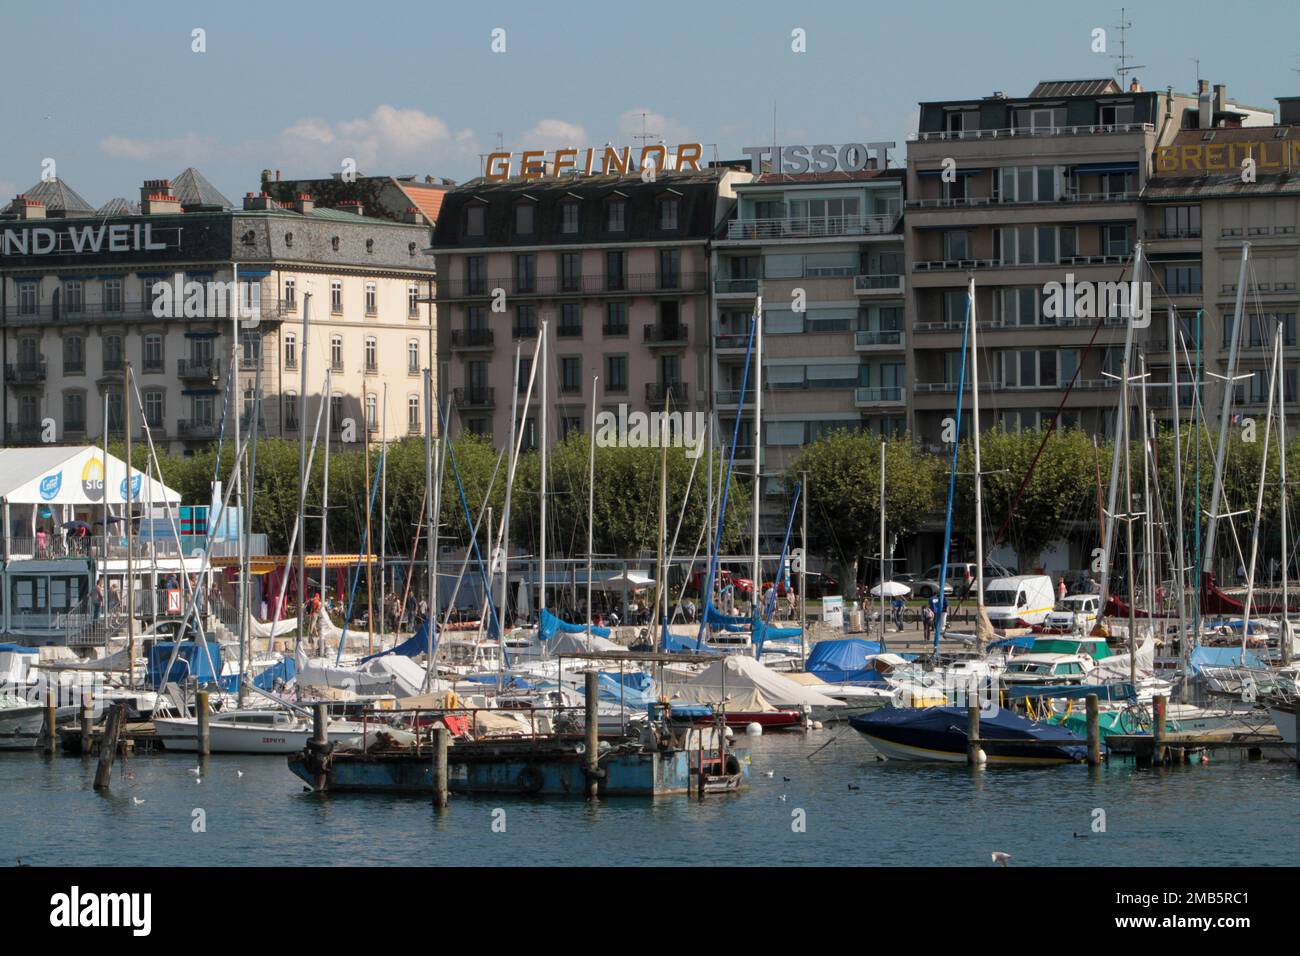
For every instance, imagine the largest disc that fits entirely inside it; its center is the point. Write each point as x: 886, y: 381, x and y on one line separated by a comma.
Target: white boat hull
x: 23, y: 728
x: 181, y: 733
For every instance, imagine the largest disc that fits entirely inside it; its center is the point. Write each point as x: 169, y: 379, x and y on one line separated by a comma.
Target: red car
x: 722, y: 579
x: 819, y: 585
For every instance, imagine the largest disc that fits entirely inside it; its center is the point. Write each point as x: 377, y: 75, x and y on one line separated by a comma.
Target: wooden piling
x: 1094, y: 731
x: 108, y: 745
x: 440, y: 792
x: 320, y: 738
x: 1158, y: 711
x: 972, y: 735
x: 87, y: 724
x: 51, y: 727
x: 593, y: 732
x: 202, y: 711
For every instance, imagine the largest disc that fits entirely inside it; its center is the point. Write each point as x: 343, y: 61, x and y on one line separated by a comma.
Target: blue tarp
x: 1023, y: 643
x: 548, y: 625
x: 675, y: 644
x: 282, y: 671
x: 413, y: 646
x: 191, y: 662
x: 1222, y: 657
x: 17, y: 649
x: 728, y: 622
x: 636, y: 689
x: 844, y: 661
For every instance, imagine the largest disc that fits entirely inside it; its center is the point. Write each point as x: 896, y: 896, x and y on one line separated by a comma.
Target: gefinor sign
x: 599, y: 161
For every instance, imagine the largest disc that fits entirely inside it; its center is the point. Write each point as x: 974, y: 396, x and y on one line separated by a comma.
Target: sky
x: 115, y: 93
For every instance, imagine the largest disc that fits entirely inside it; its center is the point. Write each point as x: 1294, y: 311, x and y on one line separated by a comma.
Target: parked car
x: 1019, y: 600
x: 819, y: 585
x: 1080, y: 609
x: 960, y: 580
x: 743, y: 587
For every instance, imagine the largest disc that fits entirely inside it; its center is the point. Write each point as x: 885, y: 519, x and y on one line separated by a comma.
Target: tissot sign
x: 822, y: 158
x: 1188, y: 158
x: 95, y: 237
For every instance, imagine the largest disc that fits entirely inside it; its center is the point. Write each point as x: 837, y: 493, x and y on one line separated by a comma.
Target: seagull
x: 196, y: 770
x: 770, y: 773
x: 137, y: 801
x: 20, y: 862
x: 783, y: 797
x: 239, y: 773
x: 1000, y: 858
x: 786, y: 779
x: 854, y: 786
x: 198, y: 780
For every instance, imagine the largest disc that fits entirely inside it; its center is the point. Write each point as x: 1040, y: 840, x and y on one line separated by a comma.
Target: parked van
x: 1020, y: 601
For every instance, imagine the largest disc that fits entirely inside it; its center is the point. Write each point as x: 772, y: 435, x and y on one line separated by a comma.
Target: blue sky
x: 115, y: 95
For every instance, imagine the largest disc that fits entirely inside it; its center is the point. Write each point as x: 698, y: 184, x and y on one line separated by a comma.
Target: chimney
x: 277, y: 175
x: 1288, y: 108
x: 1220, y: 98
x: 1134, y: 86
x: 413, y: 215
x: 258, y: 201
x: 303, y: 203
x: 350, y: 205
x: 28, y: 208
x: 156, y: 198
x: 1206, y: 116
x: 266, y: 176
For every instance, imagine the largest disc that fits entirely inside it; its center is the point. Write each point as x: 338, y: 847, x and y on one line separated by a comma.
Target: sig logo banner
x: 136, y: 482
x: 92, y: 479
x: 51, y: 485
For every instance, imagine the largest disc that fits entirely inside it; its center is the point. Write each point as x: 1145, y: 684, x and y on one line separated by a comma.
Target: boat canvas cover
x: 413, y: 646
x: 548, y: 625
x: 737, y: 674
x: 749, y: 701
x: 844, y: 661
x: 191, y: 662
x: 581, y: 644
x: 1203, y: 657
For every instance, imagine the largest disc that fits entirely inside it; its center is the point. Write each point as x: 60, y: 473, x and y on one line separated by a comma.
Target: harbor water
x: 839, y: 806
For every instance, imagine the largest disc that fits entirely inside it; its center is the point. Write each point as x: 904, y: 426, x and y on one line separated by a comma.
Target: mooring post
x: 1094, y: 731
x: 972, y: 735
x: 1158, y: 728
x: 440, y: 740
x: 201, y: 711
x: 51, y: 727
x: 87, y: 724
x: 108, y: 745
x: 593, y: 731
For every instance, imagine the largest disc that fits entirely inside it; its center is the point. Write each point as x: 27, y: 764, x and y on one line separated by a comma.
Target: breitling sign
x: 1186, y: 159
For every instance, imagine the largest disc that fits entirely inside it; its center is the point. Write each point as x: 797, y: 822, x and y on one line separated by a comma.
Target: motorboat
x: 939, y: 734
x: 257, y: 731
x: 22, y: 722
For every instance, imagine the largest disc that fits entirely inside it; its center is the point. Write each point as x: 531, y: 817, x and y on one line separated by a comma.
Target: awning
x: 1096, y: 168
x: 956, y: 172
x: 266, y: 563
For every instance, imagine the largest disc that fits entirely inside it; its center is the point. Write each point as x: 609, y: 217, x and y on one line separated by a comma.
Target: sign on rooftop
x: 606, y: 161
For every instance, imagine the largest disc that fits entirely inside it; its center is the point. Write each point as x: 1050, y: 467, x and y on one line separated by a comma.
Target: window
x: 569, y: 218
x: 336, y: 353
x: 1119, y: 114
x: 1183, y: 280
x: 114, y: 356
x: 570, y: 421
x: 290, y: 350
x: 1182, y: 222
x: 475, y: 220
x: 476, y: 274
x: 412, y: 301
x: 372, y: 355
x: 153, y: 352
x: 668, y: 214
x: 1020, y: 306
x: 413, y: 356
x: 336, y: 297
x: 615, y: 215
x: 1038, y: 119
x: 154, y: 407
x: 336, y: 412
x: 115, y: 419
x: 202, y: 407
x: 956, y: 245
x: 250, y: 349
x: 1116, y: 240
x: 670, y: 266
x: 73, y: 300
x: 413, y: 414
x: 570, y: 374
x: 615, y: 278
x: 291, y: 411
x: 526, y: 272
x: 524, y: 212
x: 570, y: 272
x: 291, y: 294
x: 615, y: 319
x: 112, y: 295
x: 74, y: 355
x: 1040, y: 368
x: 616, y: 374
x: 74, y: 411
x: 372, y: 411
x: 525, y: 322
x: 372, y: 299
x: 525, y: 370
x: 1028, y: 183
x: 570, y: 321
x: 1031, y: 245
x: 28, y: 297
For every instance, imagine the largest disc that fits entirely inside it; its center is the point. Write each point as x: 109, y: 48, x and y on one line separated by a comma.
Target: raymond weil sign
x: 1188, y: 158
x: 95, y: 237
x: 533, y: 163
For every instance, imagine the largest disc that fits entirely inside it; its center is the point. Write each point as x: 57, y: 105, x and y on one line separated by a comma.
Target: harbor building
x: 615, y: 265
x: 824, y: 250
x: 1019, y: 192
x: 1200, y: 209
x: 81, y: 297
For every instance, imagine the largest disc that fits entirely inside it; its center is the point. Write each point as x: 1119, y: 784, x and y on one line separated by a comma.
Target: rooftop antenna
x: 501, y: 144
x: 645, y: 137
x: 1124, y: 69
x: 1197, y: 61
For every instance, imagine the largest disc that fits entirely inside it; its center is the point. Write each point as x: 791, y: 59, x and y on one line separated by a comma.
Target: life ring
x: 530, y: 780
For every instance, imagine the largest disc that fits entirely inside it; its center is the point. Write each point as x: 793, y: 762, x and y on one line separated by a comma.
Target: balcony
x: 102, y: 314
x: 26, y: 372
x: 474, y: 396
x: 969, y: 202
x: 736, y: 342
x: 878, y: 285
x: 23, y: 433
x: 730, y: 398
x: 878, y: 341
x: 942, y: 265
x: 735, y: 288
x: 205, y: 370
x: 812, y: 228
x: 657, y: 392
x: 666, y: 335
x: 197, y: 429
x: 1029, y: 131
x: 868, y: 397
x: 647, y: 283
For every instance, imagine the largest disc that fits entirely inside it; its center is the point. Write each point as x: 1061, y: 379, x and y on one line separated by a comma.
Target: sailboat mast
x: 432, y: 499
x: 591, y: 498
x: 803, y: 568
x: 302, y: 469
x: 505, y: 518
x: 882, y: 543
x: 541, y: 548
x: 1286, y: 554
x: 325, y: 490
x: 383, y: 518
x: 979, y: 484
x: 1128, y: 522
x: 1274, y: 372
x: 661, y: 573
x: 1180, y: 552
x: 1148, y: 527
x: 130, y: 534
x: 757, y: 586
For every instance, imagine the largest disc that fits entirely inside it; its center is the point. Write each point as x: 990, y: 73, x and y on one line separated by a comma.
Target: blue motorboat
x: 939, y: 734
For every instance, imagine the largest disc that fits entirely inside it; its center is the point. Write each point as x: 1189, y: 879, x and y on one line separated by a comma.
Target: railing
x: 656, y: 334
x: 563, y: 331
x: 1021, y: 132
x: 937, y: 265
x: 735, y: 286
x: 477, y: 396
x: 614, y: 329
x: 633, y: 283
x: 878, y: 283
x: 1083, y: 384
x: 732, y: 396
x: 1070, y: 197
x: 658, y: 391
x: 731, y: 341
x: 197, y: 429
x: 790, y: 228
x: 100, y: 313
x: 207, y: 370
x: 25, y: 373
x: 28, y: 433
x: 889, y: 395
x: 866, y: 340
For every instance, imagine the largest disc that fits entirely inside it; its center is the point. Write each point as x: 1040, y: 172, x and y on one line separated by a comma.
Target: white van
x: 1020, y: 601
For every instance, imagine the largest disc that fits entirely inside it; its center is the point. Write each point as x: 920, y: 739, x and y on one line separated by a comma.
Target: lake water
x: 1226, y: 813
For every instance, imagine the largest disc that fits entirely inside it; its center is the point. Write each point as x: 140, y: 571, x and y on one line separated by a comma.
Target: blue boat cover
x: 1105, y: 692
x: 675, y: 644
x: 727, y: 622
x: 1023, y: 643
x: 844, y: 660
x: 283, y: 672
x: 413, y: 646
x: 18, y: 649
x: 191, y: 661
x: 1222, y: 657
x: 548, y: 625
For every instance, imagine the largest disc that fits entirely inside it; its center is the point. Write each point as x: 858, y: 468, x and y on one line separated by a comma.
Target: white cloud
x: 656, y: 125
x: 550, y: 134
x: 189, y: 148
x: 388, y: 134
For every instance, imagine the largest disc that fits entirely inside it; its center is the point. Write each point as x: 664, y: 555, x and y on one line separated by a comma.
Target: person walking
x: 1061, y: 589
x: 898, y: 606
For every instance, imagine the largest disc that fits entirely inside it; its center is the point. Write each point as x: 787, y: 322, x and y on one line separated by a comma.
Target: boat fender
x: 530, y: 780
x: 754, y: 729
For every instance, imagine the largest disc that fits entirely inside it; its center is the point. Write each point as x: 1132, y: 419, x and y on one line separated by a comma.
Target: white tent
x: 68, y: 475
x: 738, y: 676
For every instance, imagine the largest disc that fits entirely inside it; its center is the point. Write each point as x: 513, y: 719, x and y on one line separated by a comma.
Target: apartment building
x: 1019, y: 192
x: 1200, y: 210
x: 825, y: 252
x: 79, y: 293
x: 616, y: 267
